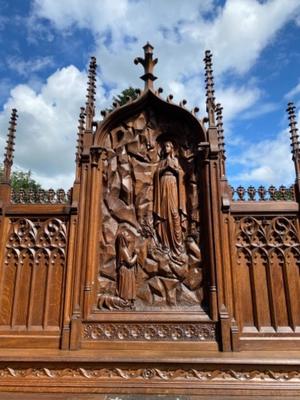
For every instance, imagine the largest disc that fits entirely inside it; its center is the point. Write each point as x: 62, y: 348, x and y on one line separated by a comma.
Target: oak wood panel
x: 267, y: 281
x: 32, y: 282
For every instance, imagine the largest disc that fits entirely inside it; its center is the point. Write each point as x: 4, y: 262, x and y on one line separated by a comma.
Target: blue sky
x: 46, y: 45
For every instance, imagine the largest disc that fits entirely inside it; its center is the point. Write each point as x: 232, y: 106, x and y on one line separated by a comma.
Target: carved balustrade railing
x: 41, y: 196
x: 262, y: 193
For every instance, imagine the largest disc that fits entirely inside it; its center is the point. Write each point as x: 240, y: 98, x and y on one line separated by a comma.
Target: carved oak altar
x: 151, y: 273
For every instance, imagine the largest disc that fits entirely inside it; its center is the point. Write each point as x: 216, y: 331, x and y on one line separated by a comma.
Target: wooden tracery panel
x: 32, y: 278
x: 267, y: 275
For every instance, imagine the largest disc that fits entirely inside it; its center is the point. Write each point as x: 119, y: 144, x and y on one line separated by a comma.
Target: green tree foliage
x: 122, y: 98
x: 22, y: 180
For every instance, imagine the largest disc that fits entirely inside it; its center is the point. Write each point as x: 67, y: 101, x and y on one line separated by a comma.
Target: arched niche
x: 150, y: 241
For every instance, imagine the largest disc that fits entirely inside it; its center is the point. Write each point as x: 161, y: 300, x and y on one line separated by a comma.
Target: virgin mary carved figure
x: 169, y: 201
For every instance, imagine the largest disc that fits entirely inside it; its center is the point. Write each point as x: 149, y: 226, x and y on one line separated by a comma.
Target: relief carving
x: 150, y: 247
x: 126, y: 265
x: 150, y: 331
x: 169, y: 201
x: 238, y: 375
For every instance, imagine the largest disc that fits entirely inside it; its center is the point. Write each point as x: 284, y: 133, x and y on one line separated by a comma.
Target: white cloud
x: 293, y: 92
x: 47, y: 125
x: 27, y: 67
x: 260, y: 110
x: 242, y: 30
x: 180, y: 31
x: 236, y: 99
x: 236, y: 33
x: 266, y: 162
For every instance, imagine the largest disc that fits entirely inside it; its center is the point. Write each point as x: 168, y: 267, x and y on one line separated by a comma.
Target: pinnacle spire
x: 79, y: 147
x: 148, y: 63
x: 80, y: 133
x: 91, y: 91
x: 220, y: 131
x: 10, y: 145
x: 293, y: 128
x: 294, y: 138
x: 210, y: 91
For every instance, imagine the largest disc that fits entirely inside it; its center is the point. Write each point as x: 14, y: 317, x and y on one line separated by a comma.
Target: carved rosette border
x: 149, y: 332
x: 195, y: 374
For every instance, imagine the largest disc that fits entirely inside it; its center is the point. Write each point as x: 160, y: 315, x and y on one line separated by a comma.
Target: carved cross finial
x: 209, y: 80
x: 10, y: 145
x: 91, y: 91
x: 148, y: 63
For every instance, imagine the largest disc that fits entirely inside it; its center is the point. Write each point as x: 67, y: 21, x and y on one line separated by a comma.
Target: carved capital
x: 95, y: 155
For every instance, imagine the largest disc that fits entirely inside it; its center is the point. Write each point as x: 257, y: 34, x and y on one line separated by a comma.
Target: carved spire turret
x: 220, y: 130
x: 209, y: 80
x: 91, y: 92
x: 80, y: 133
x: 10, y: 146
x: 294, y: 137
x: 148, y: 63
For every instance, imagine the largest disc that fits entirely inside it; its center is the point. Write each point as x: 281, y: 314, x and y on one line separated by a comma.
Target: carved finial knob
x: 170, y: 98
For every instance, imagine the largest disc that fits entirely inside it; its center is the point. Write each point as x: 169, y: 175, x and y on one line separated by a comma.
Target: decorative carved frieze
x: 150, y: 331
x: 279, y: 232
x: 153, y: 374
x: 263, y: 193
x: 41, y: 196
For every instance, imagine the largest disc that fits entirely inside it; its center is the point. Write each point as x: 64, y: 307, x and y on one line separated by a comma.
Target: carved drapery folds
x: 150, y: 195
x: 32, y: 274
x: 268, y: 289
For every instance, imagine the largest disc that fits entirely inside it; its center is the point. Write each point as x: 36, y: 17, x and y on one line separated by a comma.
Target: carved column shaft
x: 70, y: 270
x: 83, y: 212
x: 92, y: 223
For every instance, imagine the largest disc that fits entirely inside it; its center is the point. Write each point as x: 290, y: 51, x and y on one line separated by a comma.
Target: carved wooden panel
x: 116, y: 374
x: 150, y: 245
x: 33, y: 274
x: 267, y: 274
x: 150, y: 331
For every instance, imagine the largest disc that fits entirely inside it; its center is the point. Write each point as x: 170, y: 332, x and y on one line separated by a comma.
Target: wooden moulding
x: 38, y: 209
x: 264, y: 207
x: 181, y: 373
